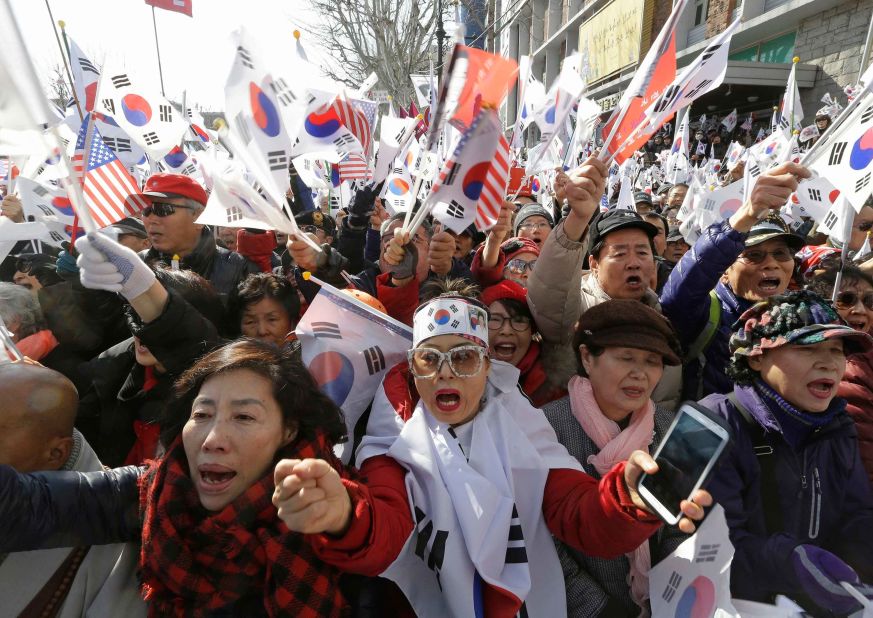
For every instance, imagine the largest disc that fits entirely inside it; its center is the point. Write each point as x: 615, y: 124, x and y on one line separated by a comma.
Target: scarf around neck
x: 38, y: 345
x: 195, y: 562
x: 616, y: 445
x: 795, y: 424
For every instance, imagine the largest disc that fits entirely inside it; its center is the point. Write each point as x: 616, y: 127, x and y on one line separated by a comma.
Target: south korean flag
x: 147, y: 117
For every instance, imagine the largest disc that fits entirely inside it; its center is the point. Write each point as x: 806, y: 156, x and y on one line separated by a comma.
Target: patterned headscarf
x: 800, y: 318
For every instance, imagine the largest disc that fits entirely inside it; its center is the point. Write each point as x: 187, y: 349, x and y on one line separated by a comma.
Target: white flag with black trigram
x: 476, y: 494
x: 698, y: 568
x: 846, y: 157
x: 144, y: 115
x: 348, y: 348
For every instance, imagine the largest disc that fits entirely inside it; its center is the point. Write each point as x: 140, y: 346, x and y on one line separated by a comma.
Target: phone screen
x: 682, y: 461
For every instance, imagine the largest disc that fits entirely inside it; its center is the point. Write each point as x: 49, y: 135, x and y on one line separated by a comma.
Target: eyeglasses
x: 756, y: 256
x: 534, y: 226
x: 848, y: 299
x: 519, y: 266
x: 519, y: 323
x: 864, y: 227
x: 309, y: 229
x: 465, y: 361
x: 162, y: 209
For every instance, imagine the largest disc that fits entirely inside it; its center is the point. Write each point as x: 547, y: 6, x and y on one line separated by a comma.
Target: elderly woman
x: 513, y: 338
x: 796, y: 497
x: 487, y: 482
x: 267, y: 308
x: 622, y: 347
x: 23, y: 316
x: 854, y: 303
x: 212, y: 544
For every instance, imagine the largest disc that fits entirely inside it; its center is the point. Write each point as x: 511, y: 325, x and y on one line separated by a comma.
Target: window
x: 779, y: 50
x: 701, y: 9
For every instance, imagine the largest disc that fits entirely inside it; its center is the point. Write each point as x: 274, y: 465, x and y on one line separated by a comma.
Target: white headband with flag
x: 450, y: 316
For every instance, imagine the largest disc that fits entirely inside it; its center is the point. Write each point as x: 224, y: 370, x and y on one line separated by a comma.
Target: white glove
x: 107, y: 265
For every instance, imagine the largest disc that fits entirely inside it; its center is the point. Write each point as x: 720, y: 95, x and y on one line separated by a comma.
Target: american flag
x: 356, y: 122
x: 354, y: 167
x: 491, y: 198
x: 111, y: 194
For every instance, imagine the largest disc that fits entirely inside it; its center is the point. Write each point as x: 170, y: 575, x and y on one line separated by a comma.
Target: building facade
x: 827, y: 35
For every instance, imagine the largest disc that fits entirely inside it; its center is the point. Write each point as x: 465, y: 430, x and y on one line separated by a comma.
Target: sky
x: 196, y: 52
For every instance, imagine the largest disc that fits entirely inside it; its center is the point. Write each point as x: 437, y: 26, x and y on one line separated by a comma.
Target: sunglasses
x: 756, y: 256
x: 465, y: 361
x: 519, y: 266
x: 162, y: 209
x: 848, y: 299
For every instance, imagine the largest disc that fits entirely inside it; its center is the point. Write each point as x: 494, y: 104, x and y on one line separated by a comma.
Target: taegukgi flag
x: 348, y: 348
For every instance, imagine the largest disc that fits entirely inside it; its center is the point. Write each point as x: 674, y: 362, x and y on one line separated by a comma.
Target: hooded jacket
x: 824, y: 498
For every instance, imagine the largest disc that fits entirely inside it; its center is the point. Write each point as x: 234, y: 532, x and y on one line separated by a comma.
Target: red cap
x: 503, y: 290
x: 175, y: 185
x: 516, y: 245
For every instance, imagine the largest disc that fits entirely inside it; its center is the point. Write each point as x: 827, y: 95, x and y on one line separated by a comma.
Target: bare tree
x: 392, y: 38
x: 58, y: 87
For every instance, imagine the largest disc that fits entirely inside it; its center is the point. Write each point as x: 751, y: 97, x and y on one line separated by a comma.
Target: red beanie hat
x: 506, y: 289
x: 514, y: 246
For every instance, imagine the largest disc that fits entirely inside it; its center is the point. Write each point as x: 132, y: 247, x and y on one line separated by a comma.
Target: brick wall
x: 833, y: 40
x: 719, y: 16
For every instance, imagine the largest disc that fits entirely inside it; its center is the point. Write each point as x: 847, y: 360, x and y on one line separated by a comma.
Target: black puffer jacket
x: 224, y: 269
x: 116, y: 397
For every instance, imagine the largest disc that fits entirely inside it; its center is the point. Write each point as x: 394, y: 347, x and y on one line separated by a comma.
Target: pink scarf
x: 615, y: 446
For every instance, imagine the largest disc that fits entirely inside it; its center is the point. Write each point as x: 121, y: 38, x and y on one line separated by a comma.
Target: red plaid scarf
x: 194, y: 562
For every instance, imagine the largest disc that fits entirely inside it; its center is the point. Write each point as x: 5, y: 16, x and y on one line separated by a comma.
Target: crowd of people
x: 165, y: 450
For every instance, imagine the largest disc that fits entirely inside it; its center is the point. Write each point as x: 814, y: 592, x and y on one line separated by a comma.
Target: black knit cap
x: 628, y: 324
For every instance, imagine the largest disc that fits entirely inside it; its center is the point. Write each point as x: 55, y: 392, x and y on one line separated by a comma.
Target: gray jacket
x: 556, y: 307
x: 593, y: 582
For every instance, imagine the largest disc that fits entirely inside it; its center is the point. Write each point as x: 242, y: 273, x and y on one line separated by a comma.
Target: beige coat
x: 556, y: 306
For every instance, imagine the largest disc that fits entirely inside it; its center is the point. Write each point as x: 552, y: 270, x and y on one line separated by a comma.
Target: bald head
x: 36, y: 417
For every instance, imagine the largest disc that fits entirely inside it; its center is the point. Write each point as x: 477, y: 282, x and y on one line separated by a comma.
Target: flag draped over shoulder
x: 348, y: 348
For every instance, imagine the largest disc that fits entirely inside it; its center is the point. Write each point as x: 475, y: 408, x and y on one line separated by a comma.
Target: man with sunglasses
x: 734, y: 264
x: 170, y: 219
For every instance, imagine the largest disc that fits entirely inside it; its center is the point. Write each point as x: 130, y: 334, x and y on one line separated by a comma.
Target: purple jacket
x: 685, y: 301
x: 824, y: 497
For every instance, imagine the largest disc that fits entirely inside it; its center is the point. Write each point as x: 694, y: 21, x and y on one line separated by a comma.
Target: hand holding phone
x: 685, y: 457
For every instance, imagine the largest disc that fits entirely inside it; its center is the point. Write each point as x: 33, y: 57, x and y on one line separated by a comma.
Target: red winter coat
x: 857, y: 389
x: 597, y: 518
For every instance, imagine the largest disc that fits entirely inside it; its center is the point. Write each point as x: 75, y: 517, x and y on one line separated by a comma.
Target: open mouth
x: 821, y: 389
x: 448, y: 400
x: 769, y: 285
x: 861, y: 325
x: 504, y: 351
x: 215, y: 478
x: 634, y: 281
x: 633, y: 392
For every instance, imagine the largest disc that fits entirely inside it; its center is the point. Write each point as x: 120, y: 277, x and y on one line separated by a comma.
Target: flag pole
x: 64, y: 55
x: 157, y: 50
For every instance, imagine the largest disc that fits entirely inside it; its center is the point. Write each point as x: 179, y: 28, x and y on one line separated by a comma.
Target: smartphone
x: 687, y: 454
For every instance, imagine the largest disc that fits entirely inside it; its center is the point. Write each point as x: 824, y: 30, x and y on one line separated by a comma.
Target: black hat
x: 317, y: 218
x: 129, y: 225
x: 618, y: 219
x: 642, y: 196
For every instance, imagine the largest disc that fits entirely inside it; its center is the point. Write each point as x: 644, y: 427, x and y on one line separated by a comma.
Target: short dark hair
x: 659, y: 216
x: 580, y: 338
x: 432, y: 288
x: 304, y: 407
x: 258, y: 286
x: 516, y: 308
